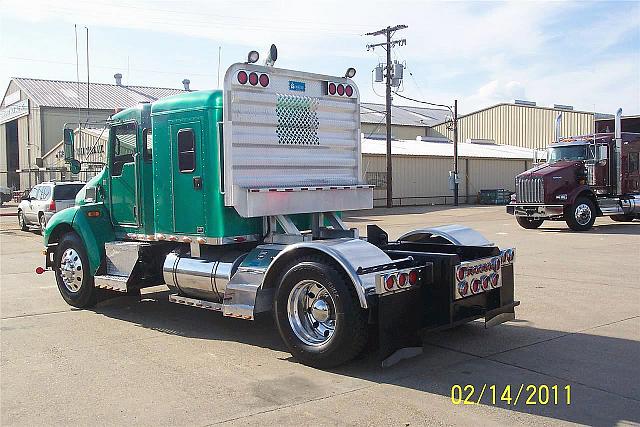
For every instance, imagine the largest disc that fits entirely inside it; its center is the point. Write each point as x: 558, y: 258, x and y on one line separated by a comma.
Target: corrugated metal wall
x: 397, y: 131
x: 3, y: 155
x: 519, y: 125
x: 422, y: 180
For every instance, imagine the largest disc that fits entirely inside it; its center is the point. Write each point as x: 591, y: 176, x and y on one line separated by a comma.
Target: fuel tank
x: 202, y: 278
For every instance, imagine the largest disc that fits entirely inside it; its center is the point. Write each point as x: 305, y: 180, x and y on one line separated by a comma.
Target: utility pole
x: 388, y: 45
x: 455, y: 153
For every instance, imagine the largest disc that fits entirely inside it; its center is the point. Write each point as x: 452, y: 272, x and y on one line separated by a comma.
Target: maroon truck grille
x: 529, y: 190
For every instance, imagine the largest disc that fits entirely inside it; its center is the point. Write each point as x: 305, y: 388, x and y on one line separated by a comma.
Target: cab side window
x: 186, y: 151
x: 634, y: 162
x: 123, y: 146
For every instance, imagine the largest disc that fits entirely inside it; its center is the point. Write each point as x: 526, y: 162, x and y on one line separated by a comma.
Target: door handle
x: 197, y: 182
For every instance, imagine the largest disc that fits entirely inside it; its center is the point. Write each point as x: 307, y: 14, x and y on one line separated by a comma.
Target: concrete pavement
x: 152, y: 362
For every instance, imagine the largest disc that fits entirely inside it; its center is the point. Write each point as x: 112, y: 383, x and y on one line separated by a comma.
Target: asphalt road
x: 151, y: 362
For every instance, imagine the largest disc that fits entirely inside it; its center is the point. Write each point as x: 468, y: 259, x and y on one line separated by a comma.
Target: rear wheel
x: 22, y: 221
x: 71, y: 267
x: 318, y: 314
x: 529, y: 223
x: 623, y: 218
x: 581, y: 215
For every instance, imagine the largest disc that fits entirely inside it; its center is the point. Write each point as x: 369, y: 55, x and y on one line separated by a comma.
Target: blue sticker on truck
x: 297, y: 86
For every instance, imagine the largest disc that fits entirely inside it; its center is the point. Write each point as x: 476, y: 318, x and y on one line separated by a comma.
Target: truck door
x: 187, y: 182
x: 124, y: 200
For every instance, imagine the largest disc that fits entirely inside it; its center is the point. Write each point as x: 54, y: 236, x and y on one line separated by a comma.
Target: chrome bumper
x: 535, y: 211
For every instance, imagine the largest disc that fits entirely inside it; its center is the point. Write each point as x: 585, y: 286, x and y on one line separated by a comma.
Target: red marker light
x: 242, y: 77
x: 413, y: 277
x: 340, y: 90
x: 389, y: 282
x: 402, y: 279
x: 332, y: 88
x: 264, y: 80
x: 40, y: 270
x: 463, y: 288
x: 253, y: 79
x: 460, y: 273
x: 475, y: 285
x: 348, y: 90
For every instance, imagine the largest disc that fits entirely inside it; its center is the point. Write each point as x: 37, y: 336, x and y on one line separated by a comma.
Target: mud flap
x: 500, y: 315
x: 399, y: 323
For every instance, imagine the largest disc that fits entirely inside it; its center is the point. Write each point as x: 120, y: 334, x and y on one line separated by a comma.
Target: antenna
x: 86, y: 28
x: 75, y: 29
x: 219, y: 56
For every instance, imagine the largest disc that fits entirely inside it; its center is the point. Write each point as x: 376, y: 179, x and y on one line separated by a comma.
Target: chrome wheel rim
x: 311, y: 312
x: 71, y: 270
x: 583, y: 214
x: 21, y: 220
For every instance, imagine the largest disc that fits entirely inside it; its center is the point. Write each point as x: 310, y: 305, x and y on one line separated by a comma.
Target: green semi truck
x: 233, y: 199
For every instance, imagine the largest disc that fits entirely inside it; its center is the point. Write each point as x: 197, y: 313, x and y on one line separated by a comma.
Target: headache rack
x: 290, y: 146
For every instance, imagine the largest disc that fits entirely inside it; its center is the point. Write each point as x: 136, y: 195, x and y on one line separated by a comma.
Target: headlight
x: 561, y: 197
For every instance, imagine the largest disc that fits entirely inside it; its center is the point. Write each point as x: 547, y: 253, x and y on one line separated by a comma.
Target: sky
x: 584, y: 54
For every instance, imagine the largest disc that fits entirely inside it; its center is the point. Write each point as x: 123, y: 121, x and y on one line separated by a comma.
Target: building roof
x: 402, y: 115
x: 445, y: 149
x: 102, y: 96
x: 539, y: 107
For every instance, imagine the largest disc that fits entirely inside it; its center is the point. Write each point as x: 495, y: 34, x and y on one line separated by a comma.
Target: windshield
x: 568, y: 152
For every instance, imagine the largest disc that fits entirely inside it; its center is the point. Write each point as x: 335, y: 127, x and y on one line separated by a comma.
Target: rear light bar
x: 474, y: 277
x: 251, y: 78
x: 338, y: 89
x: 398, y: 280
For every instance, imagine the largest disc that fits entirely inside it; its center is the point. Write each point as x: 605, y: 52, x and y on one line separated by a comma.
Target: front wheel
x: 318, y: 314
x: 71, y: 267
x: 581, y: 215
x: 22, y: 221
x: 529, y: 223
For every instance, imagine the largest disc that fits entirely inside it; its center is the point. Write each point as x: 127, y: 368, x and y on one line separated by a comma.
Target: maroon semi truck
x: 584, y: 177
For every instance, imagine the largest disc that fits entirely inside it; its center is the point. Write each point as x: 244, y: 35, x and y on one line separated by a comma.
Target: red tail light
x: 264, y: 80
x: 402, y: 279
x: 389, y: 282
x: 485, y: 282
x: 460, y: 273
x: 340, y: 90
x: 413, y: 277
x: 52, y: 206
x: 475, y: 286
x: 242, y: 77
x: 348, y: 90
x: 253, y: 79
x: 332, y: 88
x: 463, y: 288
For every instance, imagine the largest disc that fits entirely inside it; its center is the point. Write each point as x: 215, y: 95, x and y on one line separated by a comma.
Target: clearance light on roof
x: 339, y: 89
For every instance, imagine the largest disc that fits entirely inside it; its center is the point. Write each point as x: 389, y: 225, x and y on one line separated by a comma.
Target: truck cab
x: 233, y: 199
x: 583, y: 177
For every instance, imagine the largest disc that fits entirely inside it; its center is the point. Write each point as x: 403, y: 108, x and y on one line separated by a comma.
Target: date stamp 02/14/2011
x: 511, y: 395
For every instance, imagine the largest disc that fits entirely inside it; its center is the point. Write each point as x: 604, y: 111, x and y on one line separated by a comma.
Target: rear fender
x: 348, y: 254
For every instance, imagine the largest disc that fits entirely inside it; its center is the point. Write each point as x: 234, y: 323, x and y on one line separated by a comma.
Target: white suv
x: 44, y: 200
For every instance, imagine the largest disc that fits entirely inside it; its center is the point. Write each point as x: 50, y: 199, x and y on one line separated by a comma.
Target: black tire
x: 85, y: 294
x: 22, y: 221
x: 350, y: 333
x: 623, y: 218
x: 42, y: 222
x: 581, y: 215
x: 529, y: 223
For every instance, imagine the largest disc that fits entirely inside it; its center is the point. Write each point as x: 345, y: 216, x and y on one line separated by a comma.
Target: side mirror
x: 68, y: 144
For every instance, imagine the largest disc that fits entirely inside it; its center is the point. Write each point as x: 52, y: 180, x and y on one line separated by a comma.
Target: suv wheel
x: 42, y: 221
x: 581, y: 215
x: 22, y: 222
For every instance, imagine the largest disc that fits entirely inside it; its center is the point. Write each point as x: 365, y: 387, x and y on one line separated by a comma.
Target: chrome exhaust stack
x: 618, y: 150
x: 558, y: 127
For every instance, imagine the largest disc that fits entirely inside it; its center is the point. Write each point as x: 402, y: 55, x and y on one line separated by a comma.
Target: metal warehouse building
x: 406, y: 122
x: 421, y: 170
x: 522, y: 124
x: 34, y: 111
